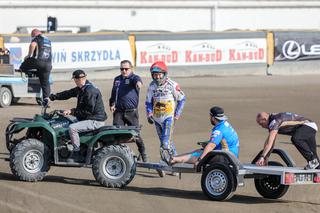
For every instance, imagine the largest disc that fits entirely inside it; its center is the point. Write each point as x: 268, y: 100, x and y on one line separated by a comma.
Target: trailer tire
x: 218, y: 182
x: 114, y: 166
x: 270, y: 186
x: 5, y: 97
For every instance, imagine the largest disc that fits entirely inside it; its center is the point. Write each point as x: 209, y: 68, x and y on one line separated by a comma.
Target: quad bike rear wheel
x: 114, y: 166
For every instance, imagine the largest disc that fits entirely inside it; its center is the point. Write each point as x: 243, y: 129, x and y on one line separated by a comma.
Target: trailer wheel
x: 218, y: 182
x: 270, y: 186
x: 114, y: 166
x: 5, y: 97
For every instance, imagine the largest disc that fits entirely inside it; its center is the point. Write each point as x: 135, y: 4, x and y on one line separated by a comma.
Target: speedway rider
x: 164, y: 104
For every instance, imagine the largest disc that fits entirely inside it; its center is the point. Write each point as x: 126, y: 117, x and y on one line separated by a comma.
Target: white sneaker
x: 313, y: 164
x: 174, y: 174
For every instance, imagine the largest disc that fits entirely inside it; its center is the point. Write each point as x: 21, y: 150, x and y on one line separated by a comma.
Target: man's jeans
x: 82, y: 126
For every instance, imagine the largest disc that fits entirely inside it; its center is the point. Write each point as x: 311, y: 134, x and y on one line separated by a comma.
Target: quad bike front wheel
x: 29, y: 160
x: 114, y: 166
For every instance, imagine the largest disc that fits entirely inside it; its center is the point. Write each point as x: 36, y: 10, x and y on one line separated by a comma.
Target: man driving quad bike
x: 89, y: 111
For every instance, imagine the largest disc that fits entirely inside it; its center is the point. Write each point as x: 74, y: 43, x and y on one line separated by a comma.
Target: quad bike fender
x: 17, y: 127
x: 111, y: 137
x: 115, y: 136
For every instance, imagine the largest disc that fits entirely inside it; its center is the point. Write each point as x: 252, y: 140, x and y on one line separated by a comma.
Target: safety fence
x: 207, y: 50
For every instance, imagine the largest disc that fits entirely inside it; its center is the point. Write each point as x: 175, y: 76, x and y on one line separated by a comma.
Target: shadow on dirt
x: 159, y: 191
x: 54, y: 179
x: 4, y: 156
x: 198, y: 195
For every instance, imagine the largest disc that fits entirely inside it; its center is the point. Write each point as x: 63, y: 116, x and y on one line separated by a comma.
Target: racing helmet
x: 159, y: 67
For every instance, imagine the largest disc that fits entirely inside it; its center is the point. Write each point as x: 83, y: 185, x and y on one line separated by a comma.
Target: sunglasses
x: 124, y: 69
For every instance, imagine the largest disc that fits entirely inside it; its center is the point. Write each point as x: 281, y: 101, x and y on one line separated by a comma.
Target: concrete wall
x: 161, y: 15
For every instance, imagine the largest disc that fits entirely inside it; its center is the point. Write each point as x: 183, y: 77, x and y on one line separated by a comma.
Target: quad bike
x: 39, y: 142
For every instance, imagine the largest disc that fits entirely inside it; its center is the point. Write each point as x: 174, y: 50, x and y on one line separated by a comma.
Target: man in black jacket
x: 39, y: 57
x: 89, y: 111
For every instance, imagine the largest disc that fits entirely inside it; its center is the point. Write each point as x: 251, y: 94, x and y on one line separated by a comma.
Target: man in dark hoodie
x: 89, y: 111
x: 40, y: 57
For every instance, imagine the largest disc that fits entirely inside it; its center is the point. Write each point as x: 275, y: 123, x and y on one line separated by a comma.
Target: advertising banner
x: 80, y: 54
x: 202, y: 52
x: 297, y: 46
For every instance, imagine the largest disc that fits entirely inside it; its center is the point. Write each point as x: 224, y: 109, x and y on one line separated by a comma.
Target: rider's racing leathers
x: 163, y: 103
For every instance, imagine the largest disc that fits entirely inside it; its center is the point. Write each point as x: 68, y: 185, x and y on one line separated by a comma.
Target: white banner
x: 78, y: 55
x: 202, y: 52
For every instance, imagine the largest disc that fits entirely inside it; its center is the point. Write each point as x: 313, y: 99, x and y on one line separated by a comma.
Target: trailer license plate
x: 303, y: 178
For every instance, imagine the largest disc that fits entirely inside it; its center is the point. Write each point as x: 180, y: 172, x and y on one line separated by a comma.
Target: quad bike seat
x: 30, y: 73
x: 106, y: 128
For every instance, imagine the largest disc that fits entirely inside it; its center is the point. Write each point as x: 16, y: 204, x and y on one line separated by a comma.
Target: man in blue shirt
x: 223, y: 137
x: 124, y: 101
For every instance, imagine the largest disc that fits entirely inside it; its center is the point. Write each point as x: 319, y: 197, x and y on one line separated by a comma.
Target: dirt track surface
x: 75, y: 189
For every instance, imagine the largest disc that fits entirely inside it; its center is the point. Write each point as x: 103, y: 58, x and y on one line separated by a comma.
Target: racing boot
x: 166, y: 155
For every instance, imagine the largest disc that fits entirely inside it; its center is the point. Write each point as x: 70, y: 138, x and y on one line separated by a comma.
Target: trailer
x: 222, y: 173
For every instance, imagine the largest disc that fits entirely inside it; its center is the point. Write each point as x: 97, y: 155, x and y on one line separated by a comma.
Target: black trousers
x: 130, y: 118
x: 43, y: 72
x: 304, y: 140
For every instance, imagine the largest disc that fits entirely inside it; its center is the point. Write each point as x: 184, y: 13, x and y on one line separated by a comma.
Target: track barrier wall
x: 186, y: 54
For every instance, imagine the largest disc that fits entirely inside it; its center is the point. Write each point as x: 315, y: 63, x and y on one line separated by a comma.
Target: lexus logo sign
x: 292, y: 50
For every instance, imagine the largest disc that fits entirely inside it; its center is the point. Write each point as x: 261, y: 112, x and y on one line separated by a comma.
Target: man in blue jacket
x: 124, y: 101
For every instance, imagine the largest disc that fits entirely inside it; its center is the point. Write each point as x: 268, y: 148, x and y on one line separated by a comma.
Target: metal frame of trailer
x: 222, y: 173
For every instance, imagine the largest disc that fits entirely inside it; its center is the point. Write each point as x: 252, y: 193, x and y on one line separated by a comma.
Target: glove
x: 150, y: 120
x: 52, y: 97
